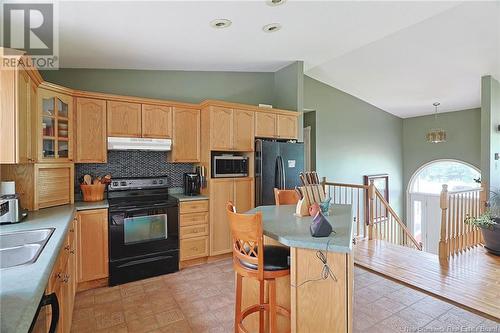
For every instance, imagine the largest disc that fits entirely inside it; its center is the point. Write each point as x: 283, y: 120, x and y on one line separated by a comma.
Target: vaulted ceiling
x: 399, y: 56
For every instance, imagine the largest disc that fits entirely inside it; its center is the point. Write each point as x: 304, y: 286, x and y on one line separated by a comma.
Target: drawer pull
x: 72, y: 251
x: 67, y: 247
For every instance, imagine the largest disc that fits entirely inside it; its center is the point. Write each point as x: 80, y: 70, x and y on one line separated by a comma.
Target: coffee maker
x: 192, y: 183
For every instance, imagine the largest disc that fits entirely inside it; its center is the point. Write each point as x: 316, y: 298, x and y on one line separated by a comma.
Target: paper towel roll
x: 7, y: 187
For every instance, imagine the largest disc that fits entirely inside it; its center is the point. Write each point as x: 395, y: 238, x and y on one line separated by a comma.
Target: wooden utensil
x: 87, y: 179
x: 106, y: 179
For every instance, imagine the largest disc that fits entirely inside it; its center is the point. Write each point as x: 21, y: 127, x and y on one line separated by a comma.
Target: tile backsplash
x: 135, y: 164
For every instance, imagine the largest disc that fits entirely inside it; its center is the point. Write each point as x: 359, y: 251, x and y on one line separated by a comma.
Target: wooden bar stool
x: 252, y: 259
x: 285, y: 197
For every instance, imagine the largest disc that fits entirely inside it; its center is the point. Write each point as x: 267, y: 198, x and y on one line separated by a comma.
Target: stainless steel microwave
x: 229, y: 166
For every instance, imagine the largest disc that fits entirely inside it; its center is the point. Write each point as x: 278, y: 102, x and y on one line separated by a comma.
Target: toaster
x: 10, y: 209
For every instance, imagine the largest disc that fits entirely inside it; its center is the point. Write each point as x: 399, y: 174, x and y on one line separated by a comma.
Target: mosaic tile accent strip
x: 135, y: 164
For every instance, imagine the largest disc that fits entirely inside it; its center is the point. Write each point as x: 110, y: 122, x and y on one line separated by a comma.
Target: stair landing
x: 470, y: 279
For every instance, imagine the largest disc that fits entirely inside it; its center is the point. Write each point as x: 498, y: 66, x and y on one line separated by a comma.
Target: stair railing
x: 385, y: 224
x: 456, y: 206
x: 374, y: 218
x: 350, y: 194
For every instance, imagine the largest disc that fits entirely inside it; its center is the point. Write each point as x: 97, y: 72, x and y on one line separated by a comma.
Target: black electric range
x: 143, y: 229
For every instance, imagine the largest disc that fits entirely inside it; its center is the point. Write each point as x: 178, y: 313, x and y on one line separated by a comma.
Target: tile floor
x: 201, y: 299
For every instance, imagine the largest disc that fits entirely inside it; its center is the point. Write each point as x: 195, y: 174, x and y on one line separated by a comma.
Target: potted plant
x: 489, y: 223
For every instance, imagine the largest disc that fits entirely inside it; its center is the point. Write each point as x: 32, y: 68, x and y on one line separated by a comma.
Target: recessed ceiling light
x: 273, y: 27
x: 275, y: 2
x: 220, y: 23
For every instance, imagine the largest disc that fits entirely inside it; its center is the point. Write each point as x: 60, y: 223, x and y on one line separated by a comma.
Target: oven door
x: 143, y: 231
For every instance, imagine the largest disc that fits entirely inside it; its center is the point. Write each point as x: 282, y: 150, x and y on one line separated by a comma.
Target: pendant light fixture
x: 436, y: 135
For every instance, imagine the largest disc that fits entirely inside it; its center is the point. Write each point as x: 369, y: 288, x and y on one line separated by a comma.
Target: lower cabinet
x: 62, y: 280
x: 193, y: 229
x: 240, y: 192
x: 92, y: 244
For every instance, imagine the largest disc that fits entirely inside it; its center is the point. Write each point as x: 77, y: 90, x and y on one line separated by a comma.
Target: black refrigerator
x: 277, y: 164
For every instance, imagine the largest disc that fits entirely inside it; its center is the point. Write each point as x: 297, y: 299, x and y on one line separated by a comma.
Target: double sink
x: 22, y: 247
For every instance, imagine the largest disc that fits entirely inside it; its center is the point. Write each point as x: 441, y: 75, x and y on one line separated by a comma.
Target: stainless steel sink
x: 22, y: 247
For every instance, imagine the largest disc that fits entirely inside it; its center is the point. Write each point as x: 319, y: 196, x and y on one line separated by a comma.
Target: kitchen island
x: 316, y: 304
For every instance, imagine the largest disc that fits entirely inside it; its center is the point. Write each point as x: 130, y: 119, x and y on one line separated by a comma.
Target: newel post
x: 371, y: 201
x: 323, y: 184
x: 443, y: 241
x: 483, y: 199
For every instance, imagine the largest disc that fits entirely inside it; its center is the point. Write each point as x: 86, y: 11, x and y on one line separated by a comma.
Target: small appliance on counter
x: 10, y: 205
x: 192, y: 183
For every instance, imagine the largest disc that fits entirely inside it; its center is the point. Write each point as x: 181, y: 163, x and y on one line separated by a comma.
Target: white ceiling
x: 399, y: 56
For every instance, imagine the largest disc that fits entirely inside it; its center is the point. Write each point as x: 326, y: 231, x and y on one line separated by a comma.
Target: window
x: 457, y: 175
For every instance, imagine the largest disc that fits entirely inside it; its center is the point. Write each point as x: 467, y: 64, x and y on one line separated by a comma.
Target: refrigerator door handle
x: 283, y: 178
x: 277, y: 173
x: 282, y: 173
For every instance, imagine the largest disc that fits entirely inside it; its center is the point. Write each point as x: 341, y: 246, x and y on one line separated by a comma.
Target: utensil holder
x: 94, y: 192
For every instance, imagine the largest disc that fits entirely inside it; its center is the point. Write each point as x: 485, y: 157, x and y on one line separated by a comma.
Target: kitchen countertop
x: 86, y: 205
x: 22, y: 287
x: 280, y: 224
x: 181, y: 197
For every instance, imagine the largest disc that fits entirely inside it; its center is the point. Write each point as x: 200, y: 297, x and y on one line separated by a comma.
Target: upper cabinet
x: 90, y: 131
x: 231, y: 129
x: 265, y: 125
x: 139, y: 120
x: 185, y: 135
x: 54, y: 124
x: 287, y: 126
x: 18, y: 105
x: 156, y: 121
x: 124, y: 119
x: 276, y: 125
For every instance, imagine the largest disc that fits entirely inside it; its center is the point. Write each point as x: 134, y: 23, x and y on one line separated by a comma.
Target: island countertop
x: 280, y: 224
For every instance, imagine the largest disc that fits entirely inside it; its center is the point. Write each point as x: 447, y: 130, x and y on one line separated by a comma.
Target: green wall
x: 185, y: 86
x: 463, y: 140
x: 310, y: 120
x: 490, y: 133
x: 355, y: 138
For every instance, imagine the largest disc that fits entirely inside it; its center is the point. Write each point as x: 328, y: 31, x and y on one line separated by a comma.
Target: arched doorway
x: 424, y: 188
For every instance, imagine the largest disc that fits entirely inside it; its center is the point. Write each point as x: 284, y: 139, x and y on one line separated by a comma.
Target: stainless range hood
x: 144, y: 144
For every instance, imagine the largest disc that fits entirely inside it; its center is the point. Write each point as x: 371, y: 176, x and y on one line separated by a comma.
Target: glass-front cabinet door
x: 56, y: 130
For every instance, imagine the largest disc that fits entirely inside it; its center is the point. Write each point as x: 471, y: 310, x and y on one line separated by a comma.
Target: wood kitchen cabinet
x: 193, y: 232
x: 156, y: 121
x: 221, y: 128
x: 287, y: 127
x: 91, y: 137
x: 124, y: 119
x: 265, y: 125
x: 54, y: 125
x: 240, y: 192
x: 18, y: 107
x: 41, y: 185
x: 92, y: 244
x: 185, y: 135
x: 273, y: 125
x: 62, y: 281
x: 231, y: 129
x: 243, y: 130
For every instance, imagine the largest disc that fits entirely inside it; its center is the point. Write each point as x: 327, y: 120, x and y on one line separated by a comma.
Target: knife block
x: 302, y: 209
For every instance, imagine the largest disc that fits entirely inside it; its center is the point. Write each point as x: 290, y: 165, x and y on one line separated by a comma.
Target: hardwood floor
x: 470, y: 280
